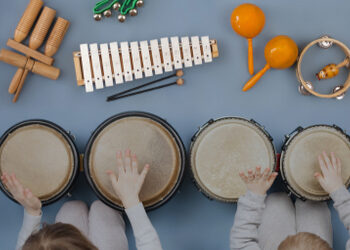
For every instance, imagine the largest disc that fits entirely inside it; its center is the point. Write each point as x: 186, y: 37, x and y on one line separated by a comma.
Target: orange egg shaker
x: 248, y: 20
x: 281, y: 52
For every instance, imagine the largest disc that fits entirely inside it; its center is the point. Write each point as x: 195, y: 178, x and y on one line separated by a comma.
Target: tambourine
x: 329, y: 71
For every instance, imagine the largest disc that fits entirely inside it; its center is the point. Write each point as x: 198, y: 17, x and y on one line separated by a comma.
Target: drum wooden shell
x: 61, y: 135
x: 307, y: 144
x: 92, y: 155
x: 233, y: 161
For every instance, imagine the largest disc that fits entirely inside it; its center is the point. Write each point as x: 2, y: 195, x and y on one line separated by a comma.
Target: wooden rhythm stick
x: 36, y: 39
x: 121, y: 62
x: 27, y: 20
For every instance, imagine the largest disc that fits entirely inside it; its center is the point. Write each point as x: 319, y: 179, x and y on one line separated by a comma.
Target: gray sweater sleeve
x: 341, y: 199
x: 146, y: 236
x: 244, y: 233
x: 30, y: 224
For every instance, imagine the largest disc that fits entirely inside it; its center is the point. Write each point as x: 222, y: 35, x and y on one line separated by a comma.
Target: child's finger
x: 338, y: 166
x: 243, y: 177
x: 250, y: 175
x: 272, y: 177
x: 144, y: 172
x: 258, y: 172
x: 16, y: 183
x: 134, y: 163
x: 266, y: 173
x: 127, y: 160
x: 326, y: 159
x: 334, y: 160
x: 318, y: 176
x: 113, y: 179
x: 119, y: 160
x: 322, y: 164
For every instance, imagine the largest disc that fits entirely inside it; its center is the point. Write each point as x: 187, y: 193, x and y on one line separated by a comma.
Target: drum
x: 42, y: 156
x: 224, y: 147
x: 154, y: 142
x: 299, y: 159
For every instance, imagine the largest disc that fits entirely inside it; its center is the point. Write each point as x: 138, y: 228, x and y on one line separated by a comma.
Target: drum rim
x: 70, y: 141
x: 200, y: 131
x: 288, y: 140
x: 155, y: 118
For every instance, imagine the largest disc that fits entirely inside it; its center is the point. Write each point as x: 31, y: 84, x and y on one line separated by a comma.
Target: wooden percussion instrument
x: 299, y: 159
x: 154, y: 142
x: 108, y: 63
x: 307, y: 88
x: 248, y: 20
x: 281, y: 52
x: 43, y: 157
x: 39, y: 33
x: 224, y: 147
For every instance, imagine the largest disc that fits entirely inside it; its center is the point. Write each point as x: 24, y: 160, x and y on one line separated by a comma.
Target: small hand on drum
x: 330, y: 179
x: 128, y: 182
x: 258, y: 182
x: 22, y: 195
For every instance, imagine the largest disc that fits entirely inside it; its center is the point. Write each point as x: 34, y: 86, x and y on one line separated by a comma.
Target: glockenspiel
x: 110, y: 64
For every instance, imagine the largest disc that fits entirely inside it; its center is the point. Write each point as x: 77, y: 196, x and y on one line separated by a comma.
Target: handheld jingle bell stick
x: 281, y: 52
x: 36, y: 40
x: 248, y: 20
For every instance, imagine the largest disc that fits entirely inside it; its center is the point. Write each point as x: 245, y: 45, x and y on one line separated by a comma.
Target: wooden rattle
x: 281, y: 52
x: 248, y: 21
x: 331, y: 70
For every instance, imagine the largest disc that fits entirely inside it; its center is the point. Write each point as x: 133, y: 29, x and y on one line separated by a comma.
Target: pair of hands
x: 330, y: 179
x: 127, y: 184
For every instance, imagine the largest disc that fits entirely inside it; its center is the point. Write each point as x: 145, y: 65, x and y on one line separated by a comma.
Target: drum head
x: 42, y: 157
x: 152, y: 140
x: 300, y: 159
x: 224, y: 148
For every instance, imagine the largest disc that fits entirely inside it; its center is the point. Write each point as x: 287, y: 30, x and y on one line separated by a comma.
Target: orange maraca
x: 281, y: 52
x: 248, y: 20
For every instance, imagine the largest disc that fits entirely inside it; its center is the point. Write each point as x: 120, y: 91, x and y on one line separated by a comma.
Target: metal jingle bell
x: 107, y: 13
x: 133, y: 12
x: 325, y: 44
x: 139, y: 3
x: 337, y: 88
x: 121, y: 18
x: 116, y: 6
x: 302, y: 90
x: 98, y: 17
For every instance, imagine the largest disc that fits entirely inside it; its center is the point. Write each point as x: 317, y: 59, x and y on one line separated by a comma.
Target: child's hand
x: 129, y: 181
x: 22, y: 195
x: 258, y: 182
x: 330, y: 179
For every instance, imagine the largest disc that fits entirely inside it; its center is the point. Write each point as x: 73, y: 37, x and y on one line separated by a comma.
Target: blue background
x: 189, y: 221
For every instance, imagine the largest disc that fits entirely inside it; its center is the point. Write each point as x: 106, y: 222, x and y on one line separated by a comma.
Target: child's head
x: 58, y: 236
x: 304, y: 241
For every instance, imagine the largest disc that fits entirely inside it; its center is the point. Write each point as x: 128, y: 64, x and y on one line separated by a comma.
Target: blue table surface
x: 189, y: 221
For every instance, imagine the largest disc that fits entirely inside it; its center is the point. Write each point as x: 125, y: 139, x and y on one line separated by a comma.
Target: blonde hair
x: 58, y: 236
x: 304, y: 241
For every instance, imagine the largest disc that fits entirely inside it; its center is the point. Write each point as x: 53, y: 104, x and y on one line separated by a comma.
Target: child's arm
x: 244, y: 233
x: 31, y: 204
x: 127, y: 186
x: 332, y: 182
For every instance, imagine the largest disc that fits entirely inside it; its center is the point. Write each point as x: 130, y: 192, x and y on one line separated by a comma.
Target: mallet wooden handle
x: 27, y: 20
x: 21, y: 61
x: 16, y: 80
x: 20, y: 86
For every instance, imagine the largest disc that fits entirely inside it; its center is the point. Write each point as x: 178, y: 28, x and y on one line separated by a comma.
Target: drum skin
x: 224, y: 147
x: 299, y: 159
x: 154, y: 142
x: 43, y: 156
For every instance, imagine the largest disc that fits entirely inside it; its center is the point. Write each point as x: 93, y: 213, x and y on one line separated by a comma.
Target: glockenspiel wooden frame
x: 77, y: 58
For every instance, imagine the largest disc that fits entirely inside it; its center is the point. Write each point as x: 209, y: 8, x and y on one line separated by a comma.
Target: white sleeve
x: 146, y: 236
x: 30, y: 224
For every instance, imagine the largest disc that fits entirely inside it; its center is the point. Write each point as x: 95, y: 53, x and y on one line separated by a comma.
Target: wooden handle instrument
x: 56, y: 36
x: 28, y: 18
x: 250, y: 57
x: 21, y: 61
x: 15, y: 81
x: 255, y: 78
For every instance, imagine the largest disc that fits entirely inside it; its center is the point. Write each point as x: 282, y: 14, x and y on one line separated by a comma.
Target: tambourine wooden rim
x: 346, y: 85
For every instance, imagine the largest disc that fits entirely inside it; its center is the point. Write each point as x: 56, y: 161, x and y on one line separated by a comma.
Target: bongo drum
x: 299, y: 159
x: 42, y: 156
x: 224, y: 147
x: 154, y: 142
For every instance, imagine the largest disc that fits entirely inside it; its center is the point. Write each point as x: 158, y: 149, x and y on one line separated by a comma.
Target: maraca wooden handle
x: 16, y: 80
x: 256, y: 78
x: 250, y: 57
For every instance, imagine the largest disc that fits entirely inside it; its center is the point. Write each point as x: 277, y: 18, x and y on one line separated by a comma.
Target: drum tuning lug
x: 139, y: 3
x: 133, y: 12
x: 98, y: 17
x: 325, y: 44
x: 121, y: 18
x: 302, y: 90
x: 337, y: 88
x: 338, y: 128
x: 116, y: 6
x: 69, y: 195
x: 71, y: 135
x: 107, y: 13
